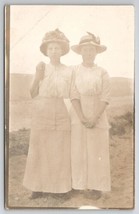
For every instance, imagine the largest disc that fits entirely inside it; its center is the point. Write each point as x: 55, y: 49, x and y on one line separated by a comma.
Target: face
x: 54, y: 50
x: 88, y: 53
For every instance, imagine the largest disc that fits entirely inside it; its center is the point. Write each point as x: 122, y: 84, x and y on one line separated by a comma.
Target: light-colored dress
x: 48, y: 167
x: 90, y: 147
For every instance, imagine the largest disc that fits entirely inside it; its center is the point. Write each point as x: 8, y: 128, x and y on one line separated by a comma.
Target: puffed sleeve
x: 106, y: 88
x: 40, y: 66
x: 74, y: 94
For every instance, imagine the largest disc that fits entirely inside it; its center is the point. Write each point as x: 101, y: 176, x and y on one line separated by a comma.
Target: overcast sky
x: 113, y: 24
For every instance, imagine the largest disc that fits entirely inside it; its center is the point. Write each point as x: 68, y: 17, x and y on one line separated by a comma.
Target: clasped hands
x: 89, y: 123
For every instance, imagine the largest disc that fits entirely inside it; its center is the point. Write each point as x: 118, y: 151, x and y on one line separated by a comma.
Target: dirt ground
x: 121, y: 195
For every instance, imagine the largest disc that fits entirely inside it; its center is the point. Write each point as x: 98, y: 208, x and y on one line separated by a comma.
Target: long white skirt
x: 48, y: 167
x: 90, y: 158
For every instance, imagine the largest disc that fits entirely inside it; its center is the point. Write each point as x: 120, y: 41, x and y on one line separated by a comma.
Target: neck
x: 55, y: 62
x: 88, y: 64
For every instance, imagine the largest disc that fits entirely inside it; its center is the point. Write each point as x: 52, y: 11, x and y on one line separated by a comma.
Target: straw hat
x: 89, y: 39
x: 55, y: 36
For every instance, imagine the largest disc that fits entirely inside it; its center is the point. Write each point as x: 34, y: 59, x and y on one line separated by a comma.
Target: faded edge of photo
x: 6, y: 102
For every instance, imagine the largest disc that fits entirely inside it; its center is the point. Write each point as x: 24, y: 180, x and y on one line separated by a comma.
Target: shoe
x: 36, y: 195
x: 61, y: 196
x: 93, y: 194
x: 76, y: 192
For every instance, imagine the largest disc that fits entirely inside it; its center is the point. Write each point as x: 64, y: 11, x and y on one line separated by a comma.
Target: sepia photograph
x: 69, y: 106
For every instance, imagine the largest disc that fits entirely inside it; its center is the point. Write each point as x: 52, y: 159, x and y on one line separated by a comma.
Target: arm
x: 104, y: 99
x: 39, y: 75
x: 91, y: 123
x: 77, y: 106
x: 101, y: 109
x: 34, y: 88
x: 75, y: 100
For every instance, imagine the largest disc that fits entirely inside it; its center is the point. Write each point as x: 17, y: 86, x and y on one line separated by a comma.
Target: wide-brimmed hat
x: 89, y: 39
x: 55, y: 36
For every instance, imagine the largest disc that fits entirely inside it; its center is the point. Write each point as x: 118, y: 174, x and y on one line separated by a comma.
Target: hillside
x: 121, y: 86
x: 20, y: 84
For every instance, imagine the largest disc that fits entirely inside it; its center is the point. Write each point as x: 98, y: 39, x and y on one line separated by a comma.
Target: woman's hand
x: 83, y: 120
x: 87, y: 122
x: 91, y: 123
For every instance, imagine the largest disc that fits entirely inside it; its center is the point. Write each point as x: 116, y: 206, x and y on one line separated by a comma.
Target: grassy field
x: 121, y: 154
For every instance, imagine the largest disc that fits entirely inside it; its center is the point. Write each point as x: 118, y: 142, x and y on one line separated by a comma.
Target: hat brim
x: 64, y: 45
x: 99, y: 48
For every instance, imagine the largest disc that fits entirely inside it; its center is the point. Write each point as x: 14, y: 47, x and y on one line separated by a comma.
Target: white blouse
x: 91, y: 86
x: 92, y: 81
x: 56, y: 82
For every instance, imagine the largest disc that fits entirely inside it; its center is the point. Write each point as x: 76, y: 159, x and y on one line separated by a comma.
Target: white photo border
x: 70, y: 2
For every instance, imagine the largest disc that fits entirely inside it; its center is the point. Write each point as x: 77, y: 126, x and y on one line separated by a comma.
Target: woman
x: 48, y: 167
x: 90, y: 129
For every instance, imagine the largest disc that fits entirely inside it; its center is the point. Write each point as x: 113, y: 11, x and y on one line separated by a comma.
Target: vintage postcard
x: 69, y: 106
